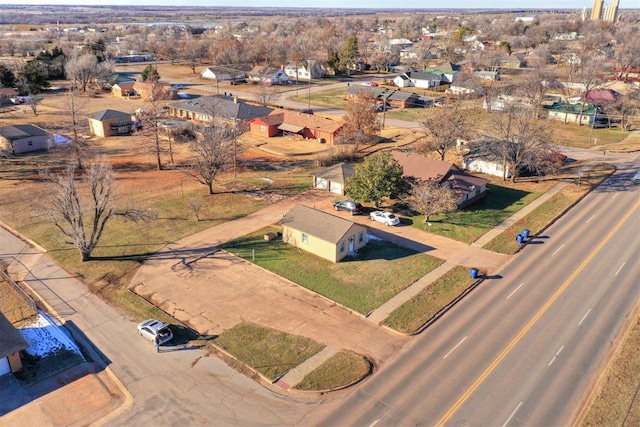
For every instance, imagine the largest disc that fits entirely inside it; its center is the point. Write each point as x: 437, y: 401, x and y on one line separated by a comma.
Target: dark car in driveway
x: 354, y: 208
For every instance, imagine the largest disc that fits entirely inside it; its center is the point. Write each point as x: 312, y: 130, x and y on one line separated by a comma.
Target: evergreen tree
x: 378, y: 177
x: 349, y: 54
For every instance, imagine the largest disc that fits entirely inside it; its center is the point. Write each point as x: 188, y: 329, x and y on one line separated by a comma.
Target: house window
x: 305, y: 238
x: 263, y: 128
x: 29, y: 143
x: 342, y: 246
x: 360, y: 237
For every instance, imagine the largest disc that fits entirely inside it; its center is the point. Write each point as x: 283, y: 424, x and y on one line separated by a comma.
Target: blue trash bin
x: 519, y: 238
x: 525, y: 233
x: 474, y: 273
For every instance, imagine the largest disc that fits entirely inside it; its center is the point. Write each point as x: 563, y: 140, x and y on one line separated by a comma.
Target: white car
x: 154, y: 330
x: 386, y: 218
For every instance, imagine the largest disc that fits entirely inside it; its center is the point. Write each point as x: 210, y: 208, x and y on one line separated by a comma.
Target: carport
x: 291, y: 131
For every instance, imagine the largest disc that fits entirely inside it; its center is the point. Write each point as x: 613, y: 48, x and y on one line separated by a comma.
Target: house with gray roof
x: 333, y: 178
x: 18, y: 139
x: 108, y: 122
x: 325, y: 235
x: 417, y: 79
x: 11, y: 344
x: 394, y: 97
x: 228, y: 109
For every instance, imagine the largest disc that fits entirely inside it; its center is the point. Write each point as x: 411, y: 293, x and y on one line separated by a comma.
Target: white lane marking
x: 584, y: 317
x: 558, y: 250
x: 619, y: 268
x: 555, y: 357
x: 515, y: 290
x: 457, y: 345
x: 589, y: 220
x: 512, y: 414
x: 374, y: 423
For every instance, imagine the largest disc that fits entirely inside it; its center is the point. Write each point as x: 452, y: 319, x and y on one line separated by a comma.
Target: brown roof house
x: 470, y: 188
x: 322, y: 234
x: 11, y: 343
x: 110, y: 123
x: 135, y: 89
x: 333, y: 178
x: 19, y: 139
x: 296, y: 125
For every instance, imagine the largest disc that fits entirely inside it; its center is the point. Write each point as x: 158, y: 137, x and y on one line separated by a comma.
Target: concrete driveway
x: 213, y: 291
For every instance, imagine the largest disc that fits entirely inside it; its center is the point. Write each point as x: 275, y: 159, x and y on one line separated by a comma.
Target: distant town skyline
x: 371, y: 4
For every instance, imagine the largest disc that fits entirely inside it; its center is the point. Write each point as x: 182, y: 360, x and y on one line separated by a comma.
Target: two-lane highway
x: 526, y: 347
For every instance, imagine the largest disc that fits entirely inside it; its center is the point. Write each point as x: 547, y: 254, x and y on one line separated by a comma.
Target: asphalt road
x: 180, y: 386
x: 529, y: 344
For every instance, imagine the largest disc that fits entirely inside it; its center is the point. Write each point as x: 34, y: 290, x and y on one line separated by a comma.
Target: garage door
x: 4, y: 366
x: 322, y: 184
x: 336, y: 187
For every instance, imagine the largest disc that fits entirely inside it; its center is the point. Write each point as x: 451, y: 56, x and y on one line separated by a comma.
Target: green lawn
x: 363, y: 283
x: 410, y: 316
x: 469, y: 224
x: 268, y: 351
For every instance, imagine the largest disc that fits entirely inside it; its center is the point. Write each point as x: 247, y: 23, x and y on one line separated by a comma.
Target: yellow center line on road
x: 533, y: 321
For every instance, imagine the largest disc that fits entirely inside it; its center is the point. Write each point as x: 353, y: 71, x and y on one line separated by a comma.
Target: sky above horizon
x: 372, y: 4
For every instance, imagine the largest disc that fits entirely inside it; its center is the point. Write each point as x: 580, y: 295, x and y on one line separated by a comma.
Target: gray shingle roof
x: 10, y: 338
x: 108, y: 115
x: 336, y: 173
x: 224, y: 107
x: 21, y: 131
x: 317, y: 223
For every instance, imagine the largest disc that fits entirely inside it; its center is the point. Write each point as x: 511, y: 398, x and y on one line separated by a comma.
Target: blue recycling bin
x: 525, y: 233
x: 474, y: 273
x: 519, y: 238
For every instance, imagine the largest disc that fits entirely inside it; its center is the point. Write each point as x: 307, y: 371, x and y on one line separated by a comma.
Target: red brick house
x: 296, y: 125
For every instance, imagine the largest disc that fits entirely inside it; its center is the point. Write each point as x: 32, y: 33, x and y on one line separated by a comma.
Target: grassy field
x: 551, y: 209
x: 269, y: 352
x: 469, y: 224
x: 343, y: 369
x: 413, y: 314
x: 617, y: 402
x: 362, y: 283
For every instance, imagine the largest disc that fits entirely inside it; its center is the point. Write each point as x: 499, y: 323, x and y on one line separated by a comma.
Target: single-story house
x: 310, y: 69
x: 469, y: 187
x: 394, y: 97
x: 448, y: 72
x: 600, y: 96
x: 19, y: 139
x: 11, y: 344
x: 268, y: 75
x: 323, y: 234
x: 223, y: 74
x: 572, y: 113
x: 418, y: 79
x: 513, y: 62
x: 297, y: 125
x: 106, y: 123
x: 482, y: 158
x: 333, y: 178
x: 227, y: 109
x: 143, y: 90
x: 493, y: 76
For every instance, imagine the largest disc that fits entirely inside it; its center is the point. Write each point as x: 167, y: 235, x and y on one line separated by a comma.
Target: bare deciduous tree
x: 81, y: 68
x: 361, y: 124
x: 82, y: 214
x: 213, y: 153
x: 430, y: 197
x: 74, y: 109
x: 521, y: 139
x: 152, y: 114
x: 444, y: 128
